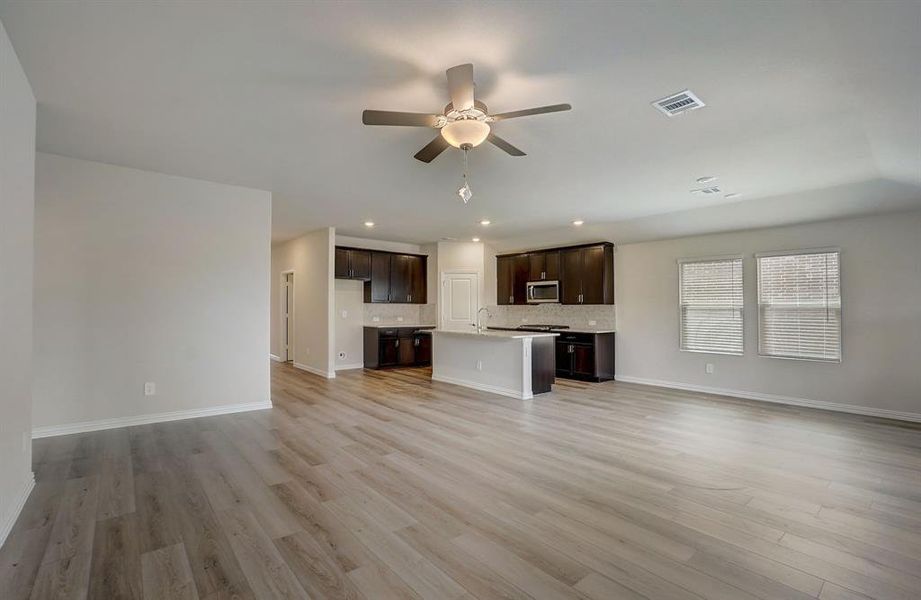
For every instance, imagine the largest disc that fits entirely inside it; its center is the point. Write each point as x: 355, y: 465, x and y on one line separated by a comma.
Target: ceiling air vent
x: 678, y: 103
x: 708, y: 191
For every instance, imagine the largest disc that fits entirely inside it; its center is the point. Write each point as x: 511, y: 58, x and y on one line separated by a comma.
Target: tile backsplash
x: 603, y: 315
x: 412, y: 314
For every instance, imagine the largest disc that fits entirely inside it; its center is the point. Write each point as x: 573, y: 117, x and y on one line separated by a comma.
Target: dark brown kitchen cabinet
x: 406, y: 350
x: 504, y: 280
x: 587, y: 356
x: 587, y: 275
x: 400, y: 274
x: 520, y: 271
x: 512, y: 276
x: 352, y: 263
x: 418, y: 279
x: 571, y: 276
x: 544, y: 265
x: 389, y: 277
x: 396, y: 347
x: 378, y: 288
x: 423, y: 344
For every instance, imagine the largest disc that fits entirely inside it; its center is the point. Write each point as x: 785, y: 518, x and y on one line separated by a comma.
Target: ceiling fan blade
x: 532, y: 111
x: 405, y: 119
x: 495, y: 140
x: 460, y: 86
x: 432, y: 149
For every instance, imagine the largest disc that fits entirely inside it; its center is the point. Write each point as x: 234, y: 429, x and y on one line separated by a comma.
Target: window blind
x: 799, y: 305
x: 710, y: 305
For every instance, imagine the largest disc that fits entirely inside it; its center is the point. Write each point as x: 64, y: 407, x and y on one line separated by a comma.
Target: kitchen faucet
x: 479, y: 329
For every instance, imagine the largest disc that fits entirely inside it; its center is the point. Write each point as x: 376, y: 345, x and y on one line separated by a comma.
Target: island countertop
x: 497, y: 333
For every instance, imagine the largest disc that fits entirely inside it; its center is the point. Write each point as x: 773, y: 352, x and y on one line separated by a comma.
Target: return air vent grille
x: 678, y: 103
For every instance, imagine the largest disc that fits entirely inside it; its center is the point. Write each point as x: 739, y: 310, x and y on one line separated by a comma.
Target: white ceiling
x: 812, y: 108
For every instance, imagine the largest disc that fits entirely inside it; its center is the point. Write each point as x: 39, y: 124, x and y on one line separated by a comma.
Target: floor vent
x: 678, y: 103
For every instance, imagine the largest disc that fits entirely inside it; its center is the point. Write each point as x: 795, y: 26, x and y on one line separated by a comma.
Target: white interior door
x: 460, y: 301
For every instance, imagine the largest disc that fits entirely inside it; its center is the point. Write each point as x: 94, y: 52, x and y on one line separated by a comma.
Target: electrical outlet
x: 479, y: 365
x: 345, y: 314
x: 376, y: 319
x: 399, y: 319
x: 709, y: 368
x: 150, y: 388
x: 592, y: 323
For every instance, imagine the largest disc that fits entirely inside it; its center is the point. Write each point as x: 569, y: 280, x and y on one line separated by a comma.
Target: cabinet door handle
x: 511, y: 299
x: 396, y: 343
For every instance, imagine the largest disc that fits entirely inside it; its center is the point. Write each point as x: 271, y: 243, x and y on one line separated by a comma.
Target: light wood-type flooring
x: 380, y: 485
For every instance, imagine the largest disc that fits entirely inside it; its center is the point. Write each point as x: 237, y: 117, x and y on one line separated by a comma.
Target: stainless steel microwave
x: 540, y: 292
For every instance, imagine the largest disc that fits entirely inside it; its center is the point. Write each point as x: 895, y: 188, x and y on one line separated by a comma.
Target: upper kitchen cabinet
x: 512, y: 274
x: 353, y: 263
x: 378, y: 288
x: 544, y: 265
x: 393, y: 278
x: 587, y: 274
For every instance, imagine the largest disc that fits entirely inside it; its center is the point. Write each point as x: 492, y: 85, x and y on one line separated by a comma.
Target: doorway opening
x: 287, y: 316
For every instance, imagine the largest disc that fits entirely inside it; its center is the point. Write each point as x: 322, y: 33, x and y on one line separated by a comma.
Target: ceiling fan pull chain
x: 465, y: 192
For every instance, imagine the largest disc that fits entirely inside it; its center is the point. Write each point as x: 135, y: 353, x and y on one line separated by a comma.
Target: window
x: 799, y: 305
x: 710, y: 300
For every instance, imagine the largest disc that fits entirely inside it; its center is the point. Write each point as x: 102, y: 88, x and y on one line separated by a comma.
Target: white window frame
x: 699, y: 259
x: 759, y: 255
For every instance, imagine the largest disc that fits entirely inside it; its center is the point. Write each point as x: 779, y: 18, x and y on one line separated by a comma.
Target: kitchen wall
x: 311, y: 258
x: 350, y: 317
x: 144, y: 277
x: 881, y: 312
x: 464, y: 256
x: 17, y: 187
x: 578, y: 317
x: 349, y: 297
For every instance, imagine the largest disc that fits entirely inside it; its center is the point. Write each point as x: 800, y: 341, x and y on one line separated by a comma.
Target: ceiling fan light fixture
x: 465, y: 132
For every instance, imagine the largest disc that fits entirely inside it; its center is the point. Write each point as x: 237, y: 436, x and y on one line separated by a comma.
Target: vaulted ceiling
x: 812, y: 108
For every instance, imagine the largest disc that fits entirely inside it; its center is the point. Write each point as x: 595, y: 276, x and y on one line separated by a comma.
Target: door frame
x: 288, y: 350
x: 441, y: 291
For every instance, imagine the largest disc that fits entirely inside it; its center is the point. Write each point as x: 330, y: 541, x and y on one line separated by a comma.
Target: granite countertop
x: 400, y: 324
x: 569, y: 330
x: 498, y: 333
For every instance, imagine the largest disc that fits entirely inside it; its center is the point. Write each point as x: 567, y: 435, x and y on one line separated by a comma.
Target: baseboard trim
x: 54, y: 430
x: 483, y: 387
x: 10, y: 518
x: 315, y: 371
x: 777, y: 399
x: 274, y: 357
x: 350, y: 366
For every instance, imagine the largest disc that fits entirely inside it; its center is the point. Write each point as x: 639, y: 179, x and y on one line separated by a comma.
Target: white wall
x: 144, y: 277
x: 311, y: 258
x: 464, y: 256
x: 881, y: 311
x: 349, y: 322
x: 17, y: 186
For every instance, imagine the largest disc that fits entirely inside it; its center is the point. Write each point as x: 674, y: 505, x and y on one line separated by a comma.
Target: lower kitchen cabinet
x: 587, y: 356
x: 397, y: 347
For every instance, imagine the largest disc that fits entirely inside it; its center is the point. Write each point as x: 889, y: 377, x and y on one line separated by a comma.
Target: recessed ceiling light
x: 733, y: 195
x: 578, y: 222
x: 476, y: 239
x: 485, y: 222
x: 706, y: 179
x: 369, y: 223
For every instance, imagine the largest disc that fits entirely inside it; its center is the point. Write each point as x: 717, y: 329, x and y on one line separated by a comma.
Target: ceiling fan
x: 465, y: 122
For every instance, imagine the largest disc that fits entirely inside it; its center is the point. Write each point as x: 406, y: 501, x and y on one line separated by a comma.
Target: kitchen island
x: 519, y: 364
